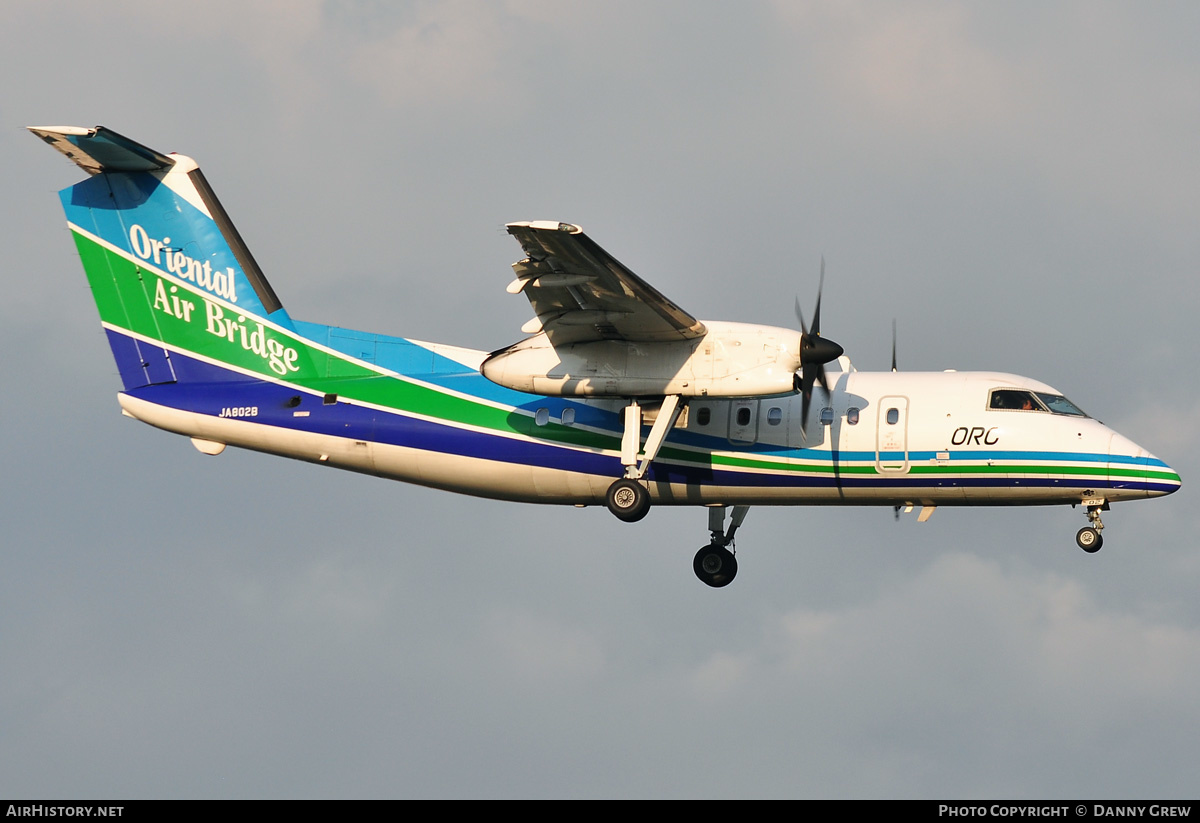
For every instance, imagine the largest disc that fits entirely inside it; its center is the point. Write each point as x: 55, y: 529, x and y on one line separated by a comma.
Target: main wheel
x: 1089, y: 539
x: 715, y: 566
x: 628, y: 500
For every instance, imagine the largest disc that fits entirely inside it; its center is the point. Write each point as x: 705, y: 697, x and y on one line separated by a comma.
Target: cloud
x: 917, y: 70
x: 969, y: 617
x: 967, y: 651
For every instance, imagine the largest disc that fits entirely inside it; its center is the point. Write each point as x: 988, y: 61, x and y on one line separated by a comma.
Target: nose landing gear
x: 1089, y: 538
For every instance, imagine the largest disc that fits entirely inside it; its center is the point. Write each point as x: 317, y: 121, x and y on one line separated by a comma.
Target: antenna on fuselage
x: 894, y: 345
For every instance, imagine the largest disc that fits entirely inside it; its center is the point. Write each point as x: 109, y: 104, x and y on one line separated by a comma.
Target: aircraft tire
x: 715, y: 566
x: 1089, y: 539
x: 629, y: 500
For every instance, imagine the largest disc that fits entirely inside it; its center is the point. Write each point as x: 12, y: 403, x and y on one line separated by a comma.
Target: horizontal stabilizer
x: 101, y: 150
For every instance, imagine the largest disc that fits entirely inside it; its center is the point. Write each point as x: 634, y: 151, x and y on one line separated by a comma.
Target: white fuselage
x: 877, y: 438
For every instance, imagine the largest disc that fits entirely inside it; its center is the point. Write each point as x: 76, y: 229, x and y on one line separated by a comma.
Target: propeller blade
x: 821, y: 378
x: 800, y: 317
x: 815, y: 352
x: 804, y: 384
x: 805, y: 402
x: 805, y: 388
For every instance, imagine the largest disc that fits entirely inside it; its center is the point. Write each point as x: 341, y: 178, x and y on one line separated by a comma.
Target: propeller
x: 815, y: 352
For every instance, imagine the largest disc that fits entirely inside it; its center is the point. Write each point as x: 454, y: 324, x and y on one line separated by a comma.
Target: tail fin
x: 169, y: 272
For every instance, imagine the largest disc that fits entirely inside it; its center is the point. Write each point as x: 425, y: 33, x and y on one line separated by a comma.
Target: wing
x: 580, y: 293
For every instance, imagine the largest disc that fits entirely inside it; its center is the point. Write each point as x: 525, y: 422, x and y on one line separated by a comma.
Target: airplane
x: 615, y: 396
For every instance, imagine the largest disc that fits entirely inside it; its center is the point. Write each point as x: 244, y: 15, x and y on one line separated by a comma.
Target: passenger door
x: 891, y: 435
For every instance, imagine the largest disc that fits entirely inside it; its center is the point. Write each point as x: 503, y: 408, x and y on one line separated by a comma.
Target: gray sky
x: 1017, y: 184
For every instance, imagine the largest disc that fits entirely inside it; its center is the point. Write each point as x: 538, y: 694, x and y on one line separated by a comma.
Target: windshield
x: 1025, y: 400
x: 1060, y: 405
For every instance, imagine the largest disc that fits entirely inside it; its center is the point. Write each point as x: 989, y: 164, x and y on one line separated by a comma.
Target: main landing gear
x: 628, y: 498
x: 715, y: 564
x: 1089, y: 538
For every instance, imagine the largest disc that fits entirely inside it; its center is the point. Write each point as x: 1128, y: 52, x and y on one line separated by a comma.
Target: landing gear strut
x: 1089, y: 538
x: 627, y: 498
x: 715, y: 564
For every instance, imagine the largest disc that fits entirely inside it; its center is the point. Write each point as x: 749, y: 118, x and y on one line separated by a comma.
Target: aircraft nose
x: 1132, y: 468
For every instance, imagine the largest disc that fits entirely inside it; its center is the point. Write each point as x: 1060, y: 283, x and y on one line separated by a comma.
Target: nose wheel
x: 1089, y: 538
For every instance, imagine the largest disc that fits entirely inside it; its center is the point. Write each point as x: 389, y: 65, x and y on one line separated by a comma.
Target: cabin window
x: 774, y: 415
x: 852, y: 416
x: 542, y: 417
x: 330, y: 400
x: 826, y: 416
x: 703, y: 416
x: 743, y: 416
x: 893, y: 416
x: 568, y: 417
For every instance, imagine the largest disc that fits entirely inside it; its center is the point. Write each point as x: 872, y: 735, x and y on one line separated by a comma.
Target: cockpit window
x: 1058, y: 404
x: 1025, y: 400
x: 1014, y: 400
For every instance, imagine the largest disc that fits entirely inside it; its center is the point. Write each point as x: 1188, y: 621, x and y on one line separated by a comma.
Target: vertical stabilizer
x: 172, y: 278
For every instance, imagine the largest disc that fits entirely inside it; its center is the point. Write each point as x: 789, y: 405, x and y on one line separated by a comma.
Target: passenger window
x: 893, y: 416
x: 852, y: 416
x: 568, y: 417
x: 826, y: 416
x: 542, y: 417
x: 743, y: 416
x: 774, y: 415
x: 703, y: 416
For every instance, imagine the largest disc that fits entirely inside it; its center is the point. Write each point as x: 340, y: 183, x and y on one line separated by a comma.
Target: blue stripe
x: 403, y: 356
x: 210, y: 388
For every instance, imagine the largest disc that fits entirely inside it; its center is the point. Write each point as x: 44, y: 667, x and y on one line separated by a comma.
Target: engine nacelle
x: 731, y: 360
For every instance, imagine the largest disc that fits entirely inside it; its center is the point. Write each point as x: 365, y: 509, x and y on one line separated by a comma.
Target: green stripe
x: 126, y: 295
